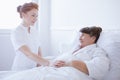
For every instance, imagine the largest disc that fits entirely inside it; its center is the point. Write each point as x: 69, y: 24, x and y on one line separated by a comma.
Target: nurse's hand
x: 38, y: 65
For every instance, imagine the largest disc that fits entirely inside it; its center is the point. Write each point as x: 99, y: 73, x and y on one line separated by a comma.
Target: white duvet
x: 49, y: 73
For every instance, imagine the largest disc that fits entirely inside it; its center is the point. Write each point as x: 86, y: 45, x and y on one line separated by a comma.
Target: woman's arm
x: 24, y: 49
x: 80, y: 65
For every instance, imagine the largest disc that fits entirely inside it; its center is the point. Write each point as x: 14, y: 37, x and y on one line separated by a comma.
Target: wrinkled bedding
x: 4, y: 74
x: 48, y: 73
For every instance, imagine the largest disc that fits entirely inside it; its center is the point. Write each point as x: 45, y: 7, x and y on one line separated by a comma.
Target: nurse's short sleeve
x: 98, y: 66
x: 18, y: 39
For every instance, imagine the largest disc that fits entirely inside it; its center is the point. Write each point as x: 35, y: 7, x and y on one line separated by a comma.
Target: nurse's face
x: 30, y: 17
x: 86, y: 39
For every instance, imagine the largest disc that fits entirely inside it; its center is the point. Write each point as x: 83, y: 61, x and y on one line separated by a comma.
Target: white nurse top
x: 20, y: 37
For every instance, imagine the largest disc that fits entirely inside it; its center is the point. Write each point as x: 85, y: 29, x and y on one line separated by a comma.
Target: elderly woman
x: 88, y: 58
x: 86, y: 63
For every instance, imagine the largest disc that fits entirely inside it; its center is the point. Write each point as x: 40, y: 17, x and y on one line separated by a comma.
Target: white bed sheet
x: 47, y: 73
x: 4, y: 74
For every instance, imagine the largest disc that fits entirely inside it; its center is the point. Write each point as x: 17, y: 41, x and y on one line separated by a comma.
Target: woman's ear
x: 93, y: 38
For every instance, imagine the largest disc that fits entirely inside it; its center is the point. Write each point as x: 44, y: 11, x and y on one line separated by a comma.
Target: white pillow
x: 110, y: 42
x: 108, y: 37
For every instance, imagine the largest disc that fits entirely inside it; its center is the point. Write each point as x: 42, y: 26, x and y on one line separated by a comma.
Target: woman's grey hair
x: 92, y: 31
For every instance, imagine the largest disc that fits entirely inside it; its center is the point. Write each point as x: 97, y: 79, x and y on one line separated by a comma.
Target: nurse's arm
x: 26, y: 51
x: 39, y: 54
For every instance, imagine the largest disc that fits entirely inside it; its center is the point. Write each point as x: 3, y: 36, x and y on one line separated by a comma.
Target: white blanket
x: 4, y: 74
x: 49, y: 73
x: 93, y: 57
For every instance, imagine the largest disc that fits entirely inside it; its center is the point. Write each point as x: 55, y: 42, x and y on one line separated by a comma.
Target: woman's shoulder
x: 100, y: 51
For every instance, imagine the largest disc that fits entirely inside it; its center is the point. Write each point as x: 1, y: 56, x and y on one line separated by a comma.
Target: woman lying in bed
x: 86, y: 63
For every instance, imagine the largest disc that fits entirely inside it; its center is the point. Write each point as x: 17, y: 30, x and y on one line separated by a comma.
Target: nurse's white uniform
x: 95, y: 58
x: 20, y: 37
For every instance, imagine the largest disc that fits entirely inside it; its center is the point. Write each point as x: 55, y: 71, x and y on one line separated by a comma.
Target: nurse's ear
x: 23, y: 15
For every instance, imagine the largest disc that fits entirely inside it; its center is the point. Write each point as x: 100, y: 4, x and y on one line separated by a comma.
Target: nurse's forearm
x: 39, y: 52
x: 39, y: 59
x: 26, y: 51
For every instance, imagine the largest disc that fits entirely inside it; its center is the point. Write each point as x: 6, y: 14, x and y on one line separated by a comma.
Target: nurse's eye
x: 34, y: 15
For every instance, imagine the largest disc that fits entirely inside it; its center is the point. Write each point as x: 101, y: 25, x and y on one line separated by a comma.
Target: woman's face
x: 86, y: 39
x: 30, y: 17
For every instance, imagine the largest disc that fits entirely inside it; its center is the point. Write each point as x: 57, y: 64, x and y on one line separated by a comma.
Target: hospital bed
x: 110, y: 42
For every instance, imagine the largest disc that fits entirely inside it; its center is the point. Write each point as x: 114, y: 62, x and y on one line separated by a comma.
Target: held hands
x: 59, y: 63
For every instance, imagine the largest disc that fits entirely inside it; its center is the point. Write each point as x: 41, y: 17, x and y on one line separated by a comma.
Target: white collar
x: 89, y: 47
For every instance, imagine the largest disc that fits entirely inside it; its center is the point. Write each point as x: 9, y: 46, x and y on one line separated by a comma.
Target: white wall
x: 77, y: 13
x: 44, y: 26
x: 6, y: 50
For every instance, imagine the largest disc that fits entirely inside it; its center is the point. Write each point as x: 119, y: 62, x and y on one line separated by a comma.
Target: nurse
x: 25, y: 39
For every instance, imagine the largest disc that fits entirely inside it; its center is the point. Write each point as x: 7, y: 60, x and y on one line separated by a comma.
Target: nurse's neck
x: 27, y: 26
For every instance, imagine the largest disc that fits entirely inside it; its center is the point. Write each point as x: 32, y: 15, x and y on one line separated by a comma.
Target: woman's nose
x: 80, y: 38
